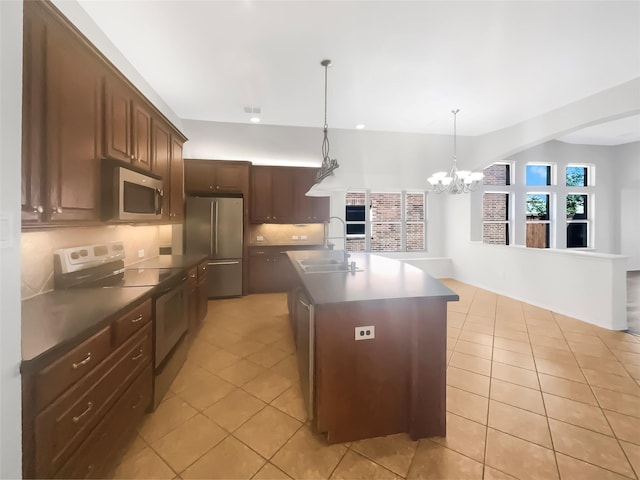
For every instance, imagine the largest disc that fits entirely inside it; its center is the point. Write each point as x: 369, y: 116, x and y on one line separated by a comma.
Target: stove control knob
x: 56, y: 210
x: 38, y: 209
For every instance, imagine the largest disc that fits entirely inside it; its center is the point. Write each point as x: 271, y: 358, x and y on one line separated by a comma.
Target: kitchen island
x: 371, y: 345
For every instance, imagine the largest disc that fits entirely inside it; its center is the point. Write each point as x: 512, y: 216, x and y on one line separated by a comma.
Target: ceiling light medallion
x: 328, y: 164
x: 456, y: 181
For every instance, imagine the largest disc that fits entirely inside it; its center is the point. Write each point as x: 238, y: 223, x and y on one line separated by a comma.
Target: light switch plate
x: 294, y: 237
x: 140, y: 253
x: 303, y: 237
x: 259, y: 238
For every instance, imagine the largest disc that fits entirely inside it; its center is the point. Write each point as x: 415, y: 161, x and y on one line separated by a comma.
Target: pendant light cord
x: 325, y: 141
x: 455, y: 136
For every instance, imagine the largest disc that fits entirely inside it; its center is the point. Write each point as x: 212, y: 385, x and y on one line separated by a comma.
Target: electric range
x: 102, y: 266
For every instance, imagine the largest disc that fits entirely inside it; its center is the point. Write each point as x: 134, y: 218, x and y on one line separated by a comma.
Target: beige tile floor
x: 531, y: 394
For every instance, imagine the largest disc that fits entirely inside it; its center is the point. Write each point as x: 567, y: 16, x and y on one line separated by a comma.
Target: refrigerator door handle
x: 224, y: 263
x: 216, y: 229
x: 211, y: 230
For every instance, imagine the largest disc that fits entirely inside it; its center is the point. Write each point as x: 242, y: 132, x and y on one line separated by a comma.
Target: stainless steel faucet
x: 344, y: 238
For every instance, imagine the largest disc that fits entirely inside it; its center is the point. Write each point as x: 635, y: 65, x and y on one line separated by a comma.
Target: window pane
x: 577, y: 235
x: 355, y: 228
x: 385, y: 207
x: 538, y: 175
x: 495, y: 206
x: 537, y: 207
x: 577, y: 176
x: 576, y: 207
x: 495, y: 233
x: 385, y: 237
x: 415, y: 207
x: 415, y: 237
x: 496, y: 174
x: 356, y: 244
x: 538, y: 235
x: 354, y: 213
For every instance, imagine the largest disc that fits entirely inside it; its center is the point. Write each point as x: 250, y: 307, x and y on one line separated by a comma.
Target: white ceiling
x: 397, y: 66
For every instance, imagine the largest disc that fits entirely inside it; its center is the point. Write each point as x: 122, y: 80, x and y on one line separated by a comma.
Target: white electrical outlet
x: 294, y: 237
x: 303, y: 237
x: 259, y: 238
x: 365, y: 333
x: 140, y: 253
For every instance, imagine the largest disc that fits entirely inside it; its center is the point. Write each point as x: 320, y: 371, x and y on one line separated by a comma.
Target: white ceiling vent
x: 252, y: 110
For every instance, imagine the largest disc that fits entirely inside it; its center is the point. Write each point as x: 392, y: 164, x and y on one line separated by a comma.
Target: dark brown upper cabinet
x: 127, y: 125
x: 62, y: 123
x: 278, y: 196
x: 216, y: 176
x: 176, y: 182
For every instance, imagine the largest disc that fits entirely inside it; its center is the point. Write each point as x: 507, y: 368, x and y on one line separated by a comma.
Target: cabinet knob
x: 210, y: 187
x: 38, y: 209
x: 217, y: 188
x: 56, y: 210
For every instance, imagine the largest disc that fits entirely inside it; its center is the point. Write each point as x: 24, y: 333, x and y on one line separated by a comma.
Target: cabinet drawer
x: 71, y: 367
x: 66, y: 422
x: 131, y: 322
x: 96, y: 455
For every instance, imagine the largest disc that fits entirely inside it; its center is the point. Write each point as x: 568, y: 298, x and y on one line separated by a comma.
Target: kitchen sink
x: 330, y: 267
x: 318, y: 261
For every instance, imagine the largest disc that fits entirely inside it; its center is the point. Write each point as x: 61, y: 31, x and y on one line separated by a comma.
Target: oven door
x: 171, y: 320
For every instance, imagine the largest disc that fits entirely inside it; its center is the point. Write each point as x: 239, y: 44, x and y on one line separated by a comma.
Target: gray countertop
x: 380, y: 278
x: 56, y: 320
x: 53, y: 321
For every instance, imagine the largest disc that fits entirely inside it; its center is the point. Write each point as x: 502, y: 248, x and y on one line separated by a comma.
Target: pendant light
x: 328, y: 164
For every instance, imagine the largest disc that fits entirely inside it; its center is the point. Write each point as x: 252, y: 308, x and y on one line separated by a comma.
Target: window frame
x: 403, y: 222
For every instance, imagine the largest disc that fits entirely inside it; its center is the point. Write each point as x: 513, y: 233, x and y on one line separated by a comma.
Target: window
x: 355, y: 220
x: 538, y: 174
x: 577, y: 176
x: 495, y: 219
x: 577, y: 221
x: 495, y: 204
x: 394, y: 222
x: 538, y: 224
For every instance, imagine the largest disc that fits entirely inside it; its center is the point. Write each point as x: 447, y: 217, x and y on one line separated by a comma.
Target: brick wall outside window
x: 387, y: 222
x: 495, y: 206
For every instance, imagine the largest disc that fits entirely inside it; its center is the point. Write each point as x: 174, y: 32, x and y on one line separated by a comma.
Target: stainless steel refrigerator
x: 214, y: 228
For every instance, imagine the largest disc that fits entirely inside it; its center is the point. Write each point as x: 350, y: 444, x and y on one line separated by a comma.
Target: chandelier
x: 328, y: 164
x: 456, y: 181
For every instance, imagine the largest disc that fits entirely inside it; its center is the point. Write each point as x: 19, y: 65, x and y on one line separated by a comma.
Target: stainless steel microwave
x: 130, y: 195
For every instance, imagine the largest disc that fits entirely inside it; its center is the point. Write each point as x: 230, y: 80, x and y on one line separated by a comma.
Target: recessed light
x: 360, y: 126
x: 255, y: 119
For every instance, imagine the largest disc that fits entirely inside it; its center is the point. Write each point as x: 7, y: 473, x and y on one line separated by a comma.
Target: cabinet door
x: 230, y: 178
x: 260, y: 270
x: 198, y: 177
x: 282, y: 208
x: 161, y: 161
x: 74, y: 128
x: 261, y: 195
x: 176, y: 203
x: 141, y: 137
x: 117, y: 128
x: 303, y: 205
x: 33, y: 111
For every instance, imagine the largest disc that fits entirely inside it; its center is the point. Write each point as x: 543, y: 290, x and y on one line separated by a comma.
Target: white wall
x: 583, y: 285
x: 627, y: 206
x: 10, y: 171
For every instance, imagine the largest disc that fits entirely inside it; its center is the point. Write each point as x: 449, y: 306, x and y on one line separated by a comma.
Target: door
x: 199, y: 231
x: 227, y: 228
x: 224, y: 278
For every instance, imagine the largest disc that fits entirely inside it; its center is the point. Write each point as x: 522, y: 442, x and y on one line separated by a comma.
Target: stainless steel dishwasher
x: 304, y: 333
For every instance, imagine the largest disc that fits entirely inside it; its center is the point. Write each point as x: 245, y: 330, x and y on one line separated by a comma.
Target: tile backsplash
x: 38, y: 247
x: 287, y: 234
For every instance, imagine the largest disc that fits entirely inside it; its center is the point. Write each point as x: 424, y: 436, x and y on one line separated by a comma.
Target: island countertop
x: 377, y: 278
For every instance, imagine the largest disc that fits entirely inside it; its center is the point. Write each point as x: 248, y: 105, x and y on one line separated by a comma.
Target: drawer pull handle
x: 137, y: 319
x: 87, y: 410
x: 140, y: 353
x: 83, y: 362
